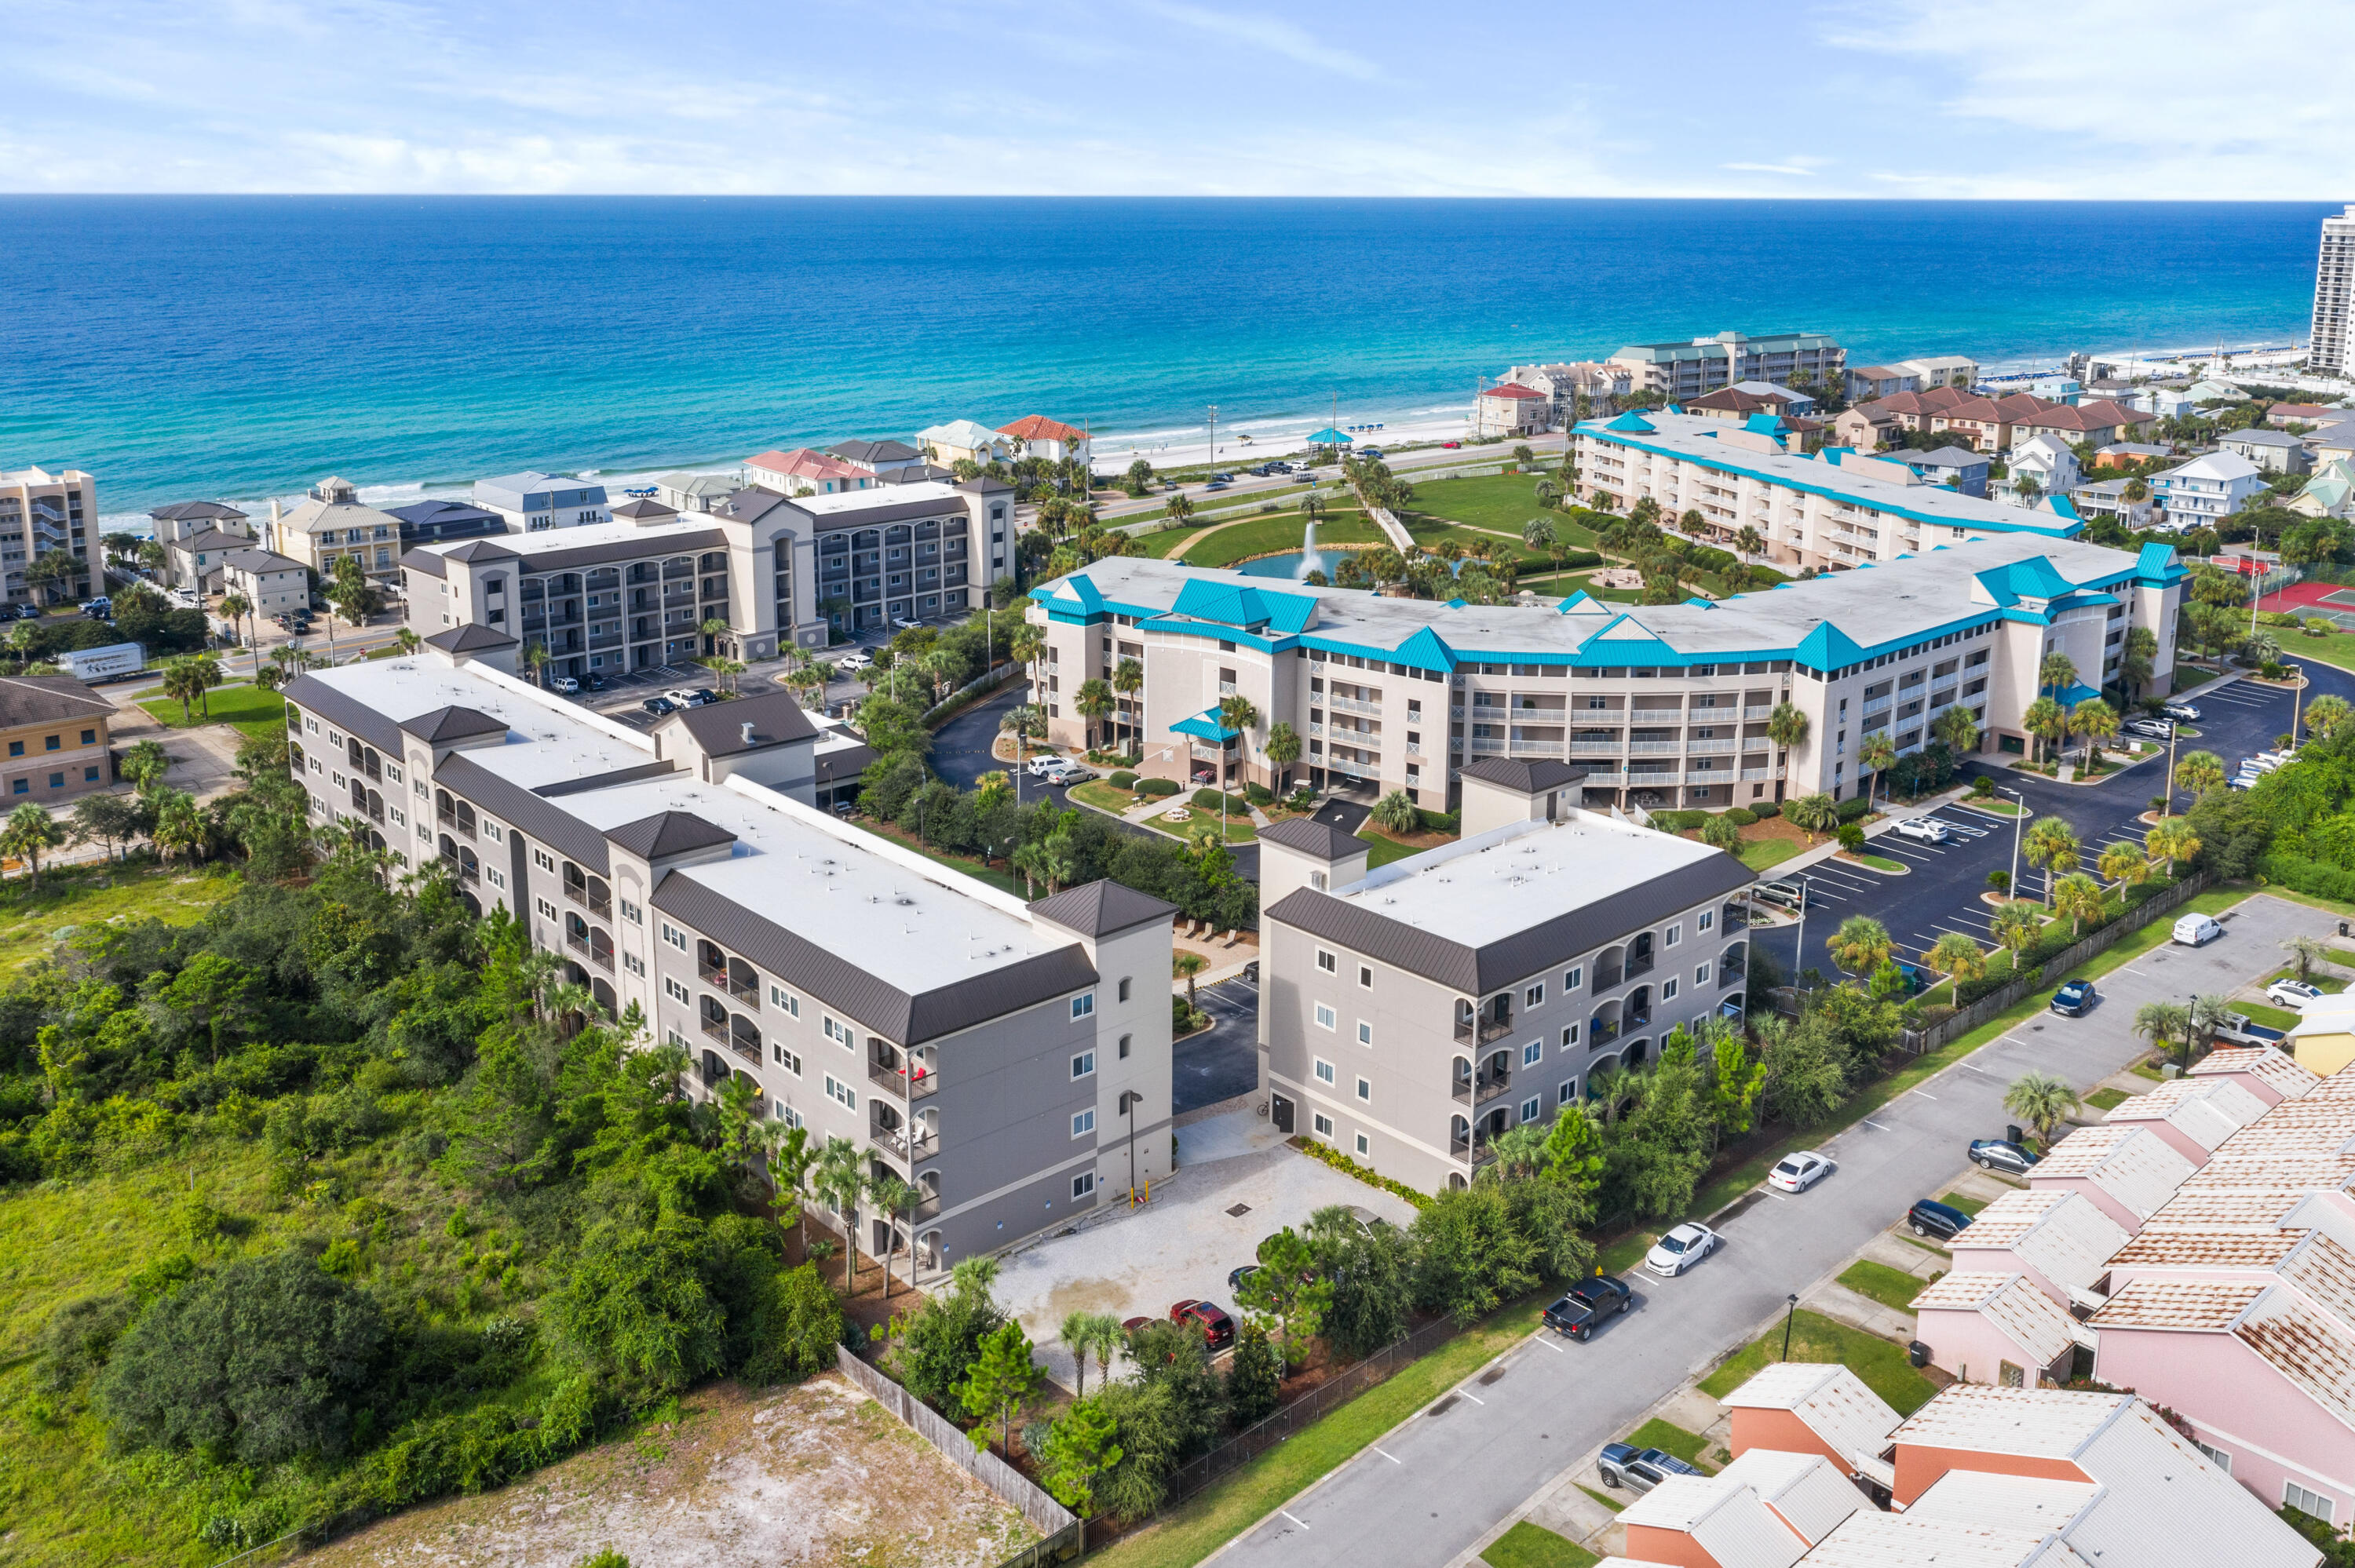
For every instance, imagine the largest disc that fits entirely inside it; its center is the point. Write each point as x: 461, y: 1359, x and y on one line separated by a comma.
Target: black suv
x: 1587, y: 1304
x: 1638, y: 1470
x: 1928, y: 1218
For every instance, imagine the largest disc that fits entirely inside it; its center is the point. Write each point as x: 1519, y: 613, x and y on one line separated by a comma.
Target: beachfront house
x: 802, y: 472
x: 2207, y: 490
x: 1600, y: 383
x: 533, y: 503
x: 963, y: 440
x: 882, y: 458
x: 2275, y: 451
x: 330, y: 525
x: 1503, y: 412
x: 1866, y: 382
x: 686, y: 491
x: 1941, y: 370
x: 2042, y: 465
x: 1035, y: 435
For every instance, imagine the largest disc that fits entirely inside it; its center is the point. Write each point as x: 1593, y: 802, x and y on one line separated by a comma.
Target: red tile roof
x: 1512, y: 389
x: 803, y: 463
x: 1039, y: 427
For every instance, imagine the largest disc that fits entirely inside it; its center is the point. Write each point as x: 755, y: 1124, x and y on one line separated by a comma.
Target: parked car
x: 1451, y: 446
x: 659, y: 706
x: 1682, y: 1247
x: 1204, y: 776
x: 857, y: 659
x: 99, y: 608
x: 1069, y: 772
x: 564, y: 684
x: 1995, y: 1154
x: 1929, y: 829
x: 687, y: 696
x: 2292, y: 994
x: 1041, y: 765
x: 1217, y: 1329
x: 2149, y: 728
x: 2183, y: 711
x: 1931, y: 1218
x: 593, y: 681
x: 1784, y: 893
x: 2197, y: 931
x: 1798, y: 1173
x: 1638, y: 1470
x: 1586, y: 1305
x: 2238, y: 1029
x: 2074, y: 998
x: 33, y: 611
x: 1303, y: 477
x: 1235, y: 1276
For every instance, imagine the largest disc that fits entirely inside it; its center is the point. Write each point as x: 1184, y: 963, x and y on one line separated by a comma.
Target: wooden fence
x: 1056, y: 1523
x: 2004, y: 998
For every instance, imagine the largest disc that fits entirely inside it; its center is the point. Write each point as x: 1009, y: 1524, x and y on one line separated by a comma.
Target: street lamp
x: 1789, y: 1312
x: 2011, y: 888
x: 1800, y: 954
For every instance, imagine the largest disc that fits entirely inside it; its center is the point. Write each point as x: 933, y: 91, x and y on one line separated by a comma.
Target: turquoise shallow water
x: 186, y: 347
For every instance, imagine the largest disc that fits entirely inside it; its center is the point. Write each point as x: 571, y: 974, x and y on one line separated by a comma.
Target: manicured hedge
x: 1123, y: 780
x: 1159, y: 789
x: 1853, y: 807
x: 1208, y: 800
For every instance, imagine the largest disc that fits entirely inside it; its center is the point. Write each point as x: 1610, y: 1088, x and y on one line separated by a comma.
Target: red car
x: 1451, y: 446
x: 1217, y: 1329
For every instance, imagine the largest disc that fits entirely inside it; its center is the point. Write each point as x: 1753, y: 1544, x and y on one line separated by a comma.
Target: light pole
x: 1214, y: 440
x: 1790, y: 1311
x: 2298, y: 691
x: 2169, y: 809
x: 1800, y: 954
x: 2011, y: 888
x: 1128, y: 1098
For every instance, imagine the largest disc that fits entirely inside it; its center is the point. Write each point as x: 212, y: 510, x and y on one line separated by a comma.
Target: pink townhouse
x: 2192, y: 1116
x: 2271, y: 1075
x: 2127, y: 1172
x: 2059, y: 1242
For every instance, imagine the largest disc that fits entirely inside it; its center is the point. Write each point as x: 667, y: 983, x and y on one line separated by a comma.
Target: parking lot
x: 1941, y: 889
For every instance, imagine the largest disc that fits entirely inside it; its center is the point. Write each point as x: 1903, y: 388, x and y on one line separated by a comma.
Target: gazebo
x: 1327, y: 437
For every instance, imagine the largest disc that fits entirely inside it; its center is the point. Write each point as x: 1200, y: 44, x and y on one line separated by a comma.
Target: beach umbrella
x: 1329, y: 436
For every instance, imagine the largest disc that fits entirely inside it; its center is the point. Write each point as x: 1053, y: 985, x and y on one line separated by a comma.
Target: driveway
x: 1222, y: 1061
x: 1431, y: 1488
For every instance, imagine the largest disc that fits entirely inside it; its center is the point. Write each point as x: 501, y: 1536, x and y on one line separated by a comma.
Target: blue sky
x: 2153, y: 99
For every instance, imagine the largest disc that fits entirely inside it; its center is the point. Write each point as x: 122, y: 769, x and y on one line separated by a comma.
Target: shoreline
x: 1401, y: 419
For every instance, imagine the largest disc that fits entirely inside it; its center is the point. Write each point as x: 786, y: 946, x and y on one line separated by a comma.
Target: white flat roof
x: 883, y: 495
x: 548, y: 540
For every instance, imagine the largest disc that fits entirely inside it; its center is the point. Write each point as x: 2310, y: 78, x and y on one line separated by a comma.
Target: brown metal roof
x: 1531, y: 775
x: 1310, y: 836
x: 532, y: 816
x: 1098, y: 909
x: 444, y: 726
x: 719, y: 727
x: 314, y: 696
x: 667, y: 833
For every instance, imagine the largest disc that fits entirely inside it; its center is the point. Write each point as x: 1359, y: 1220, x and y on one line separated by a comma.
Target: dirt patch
x: 819, y: 1474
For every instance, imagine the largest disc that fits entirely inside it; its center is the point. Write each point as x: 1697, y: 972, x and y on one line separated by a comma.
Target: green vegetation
x: 1527, y: 1545
x: 256, y: 712
x: 1893, y: 1287
x: 73, y: 898
x: 1965, y: 1202
x: 1816, y: 1338
x: 1103, y: 797
x: 1605, y: 1498
x: 2271, y: 1017
x: 2106, y: 1099
x: 1669, y: 1438
x: 1382, y: 849
x: 1277, y: 534
x: 1759, y: 854
x: 1499, y: 503
x: 1879, y: 863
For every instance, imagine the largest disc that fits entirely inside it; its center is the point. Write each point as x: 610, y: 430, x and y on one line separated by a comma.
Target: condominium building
x: 963, y: 440
x: 434, y: 522
x: 1008, y: 1060
x: 634, y: 595
x: 1867, y: 382
x: 534, y: 503
x: 329, y: 526
x: 1835, y: 510
x: 1661, y: 705
x: 44, y: 513
x: 2334, y: 297
x: 802, y: 472
x: 1705, y: 364
x: 1411, y: 1015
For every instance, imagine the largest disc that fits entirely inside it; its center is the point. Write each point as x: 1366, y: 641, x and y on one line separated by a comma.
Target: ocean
x: 235, y: 348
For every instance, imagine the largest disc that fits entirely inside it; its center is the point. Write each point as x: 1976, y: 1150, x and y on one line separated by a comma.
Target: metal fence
x: 1047, y: 1516
x: 2002, y: 999
x: 990, y: 680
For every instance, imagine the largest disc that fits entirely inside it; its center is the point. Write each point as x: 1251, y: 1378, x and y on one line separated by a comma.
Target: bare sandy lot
x: 818, y: 1475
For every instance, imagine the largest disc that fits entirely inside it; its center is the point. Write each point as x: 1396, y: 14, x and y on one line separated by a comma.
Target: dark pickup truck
x: 1587, y: 1305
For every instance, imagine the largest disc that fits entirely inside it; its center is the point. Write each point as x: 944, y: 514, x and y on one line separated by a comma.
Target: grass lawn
x: 1527, y: 1545
x: 1669, y: 1438
x: 1878, y: 862
x: 1893, y: 1287
x: 2330, y: 985
x: 2336, y: 648
x: 2001, y: 808
x: 1605, y: 1498
x: 1203, y: 1524
x: 254, y: 711
x: 1382, y: 849
x: 2271, y: 1017
x: 2108, y: 1099
x: 1965, y: 1202
x: 1759, y: 854
x: 2341, y: 956
x: 1006, y: 882
x: 2145, y: 1070
x: 31, y: 922
x: 1814, y: 1338
x: 1273, y: 534
x: 1500, y: 502
x: 1930, y: 1247
x: 1103, y: 797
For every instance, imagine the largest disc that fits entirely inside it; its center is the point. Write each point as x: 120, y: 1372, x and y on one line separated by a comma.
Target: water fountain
x: 1310, y: 561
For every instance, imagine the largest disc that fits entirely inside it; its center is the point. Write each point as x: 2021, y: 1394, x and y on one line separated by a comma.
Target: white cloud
x: 1270, y: 33
x: 1768, y: 168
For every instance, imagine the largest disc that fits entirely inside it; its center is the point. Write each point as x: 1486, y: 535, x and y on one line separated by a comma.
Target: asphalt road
x: 1941, y: 890
x: 1429, y: 1490
x: 1223, y: 1061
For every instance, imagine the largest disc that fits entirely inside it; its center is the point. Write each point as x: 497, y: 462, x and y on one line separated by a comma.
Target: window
x: 89, y: 775
x: 786, y: 1114
x: 1570, y: 1036
x: 1667, y: 988
x: 546, y: 910
x: 1083, y: 1065
x: 1083, y: 1006
x: 633, y: 913
x: 1366, y: 976
x: 1364, y: 1149
x: 391, y: 769
x: 1568, y: 1092
x: 1676, y: 934
x: 56, y: 781
x: 838, y: 1031
x: 1125, y: 983
x: 1708, y: 918
x: 670, y: 933
x: 840, y: 1093
x: 1571, y: 979
x: 1324, y: 1125
x: 1326, y: 962
x: 2311, y: 1503
x: 1531, y: 1053
x: 784, y: 1002
x: 675, y: 991
x: 2216, y: 1457
x: 493, y: 875
x: 785, y: 1059
x: 1365, y: 1032
x: 2010, y: 1376
x: 310, y: 724
x: 1325, y: 1016
x: 1083, y: 1185
x: 1534, y: 996
x: 1531, y: 1106
x: 1323, y: 1071
x: 635, y: 964
x: 1366, y: 1089
x: 1701, y: 974
x: 1083, y: 1123
x: 542, y: 859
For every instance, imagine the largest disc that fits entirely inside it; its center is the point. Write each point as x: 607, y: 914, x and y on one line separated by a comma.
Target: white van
x: 2197, y: 931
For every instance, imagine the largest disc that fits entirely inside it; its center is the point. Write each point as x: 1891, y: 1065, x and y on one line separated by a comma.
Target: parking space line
x: 1378, y: 1448
x: 1540, y: 1336
x: 1919, y: 1092
x: 1294, y: 1518
x: 1874, y: 1125
x: 1473, y: 1397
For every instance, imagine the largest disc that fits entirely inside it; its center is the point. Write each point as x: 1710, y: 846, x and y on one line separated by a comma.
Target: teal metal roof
x: 1425, y: 651
x: 1632, y: 423
x: 2078, y: 693
x: 1230, y: 604
x: 1205, y: 726
x: 2034, y: 577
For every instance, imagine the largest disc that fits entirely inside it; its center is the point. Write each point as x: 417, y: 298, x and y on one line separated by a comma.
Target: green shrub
x: 1442, y: 822
x: 1259, y: 794
x: 1741, y: 818
x: 1123, y: 780
x: 1158, y: 789
x: 1762, y: 809
x: 1851, y: 838
x: 1208, y: 800
x: 1854, y: 808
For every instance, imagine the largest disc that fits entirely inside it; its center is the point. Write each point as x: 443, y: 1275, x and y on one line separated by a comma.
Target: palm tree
x: 2097, y: 722
x: 206, y: 673
x: 1958, y: 727
x: 179, y: 828
x: 2197, y: 772
x: 1235, y: 713
x: 1861, y: 944
x: 2043, y: 1100
x: 841, y: 1180
x: 2015, y: 926
x: 2056, y: 673
x: 1956, y: 957
x: 892, y: 1198
x: 2161, y: 1022
x: 2079, y: 898
x: 2048, y: 721
x: 1880, y: 754
x: 144, y: 765
x: 1813, y: 814
x: 2051, y: 844
x: 2307, y: 951
x: 1178, y: 508
x: 1185, y: 966
x: 405, y: 640
x: 2171, y: 841
x: 234, y: 607
x: 1094, y: 700
x: 28, y: 831
x: 1786, y: 726
x: 2209, y: 1014
x: 1283, y: 750
x: 2327, y: 715
x: 1128, y: 680
x: 2123, y: 865
x: 1748, y: 542
x: 535, y: 653
x: 181, y: 680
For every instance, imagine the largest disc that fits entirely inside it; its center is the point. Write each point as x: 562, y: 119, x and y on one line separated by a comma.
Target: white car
x: 1681, y: 1249
x: 685, y: 697
x: 1929, y: 829
x: 857, y: 659
x: 2292, y: 994
x: 1046, y: 762
x: 1070, y: 773
x: 564, y: 684
x: 1798, y: 1173
x: 2183, y: 711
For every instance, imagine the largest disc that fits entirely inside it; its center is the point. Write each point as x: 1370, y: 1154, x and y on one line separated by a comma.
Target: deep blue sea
x: 238, y: 347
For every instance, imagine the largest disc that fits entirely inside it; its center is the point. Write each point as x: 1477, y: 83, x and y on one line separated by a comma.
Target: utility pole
x: 2011, y: 889
x: 1214, y: 435
x: 2172, y: 726
x: 1800, y: 954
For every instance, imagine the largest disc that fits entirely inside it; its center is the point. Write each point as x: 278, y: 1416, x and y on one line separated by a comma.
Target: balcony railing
x: 1728, y: 974
x: 1479, y: 1091
x: 1711, y: 745
x: 1758, y: 711
x: 717, y: 1028
x: 1642, y: 966
x: 1489, y: 1029
x: 894, y: 1079
x: 717, y: 979
x: 1601, y: 1033
x: 1468, y: 1151
x: 895, y: 1140
x: 1597, y: 747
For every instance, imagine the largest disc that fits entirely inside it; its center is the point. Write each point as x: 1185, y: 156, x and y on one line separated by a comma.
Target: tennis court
x: 2329, y: 600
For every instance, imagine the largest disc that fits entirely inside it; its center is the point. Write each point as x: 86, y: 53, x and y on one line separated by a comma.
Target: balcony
x: 1693, y: 747
x: 1642, y: 966
x: 1347, y: 705
x: 1468, y: 1152
x: 1877, y: 706
x: 894, y: 1080
x: 1656, y: 747
x: 895, y: 1142
x: 1597, y: 747
x: 742, y: 990
x: 1760, y: 775
x: 1601, y: 1033
x: 1490, y: 1029
x: 1479, y: 1091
